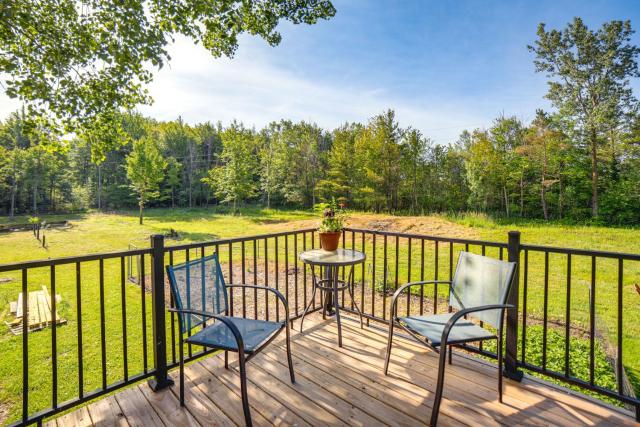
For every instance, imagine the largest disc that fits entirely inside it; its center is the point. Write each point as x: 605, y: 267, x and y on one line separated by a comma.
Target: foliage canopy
x: 78, y: 64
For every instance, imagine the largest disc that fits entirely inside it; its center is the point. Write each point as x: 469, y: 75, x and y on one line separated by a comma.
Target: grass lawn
x: 97, y: 232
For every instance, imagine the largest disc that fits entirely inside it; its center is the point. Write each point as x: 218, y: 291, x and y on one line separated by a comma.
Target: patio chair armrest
x: 410, y: 285
x: 460, y: 314
x: 277, y: 293
x: 234, y: 330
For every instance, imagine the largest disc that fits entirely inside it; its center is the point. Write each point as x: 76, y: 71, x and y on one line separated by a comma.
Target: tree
x: 173, y: 178
x: 81, y: 63
x: 341, y: 174
x: 233, y: 181
x: 414, y: 151
x: 589, y: 75
x: 377, y: 150
x: 541, y: 146
x: 145, y: 170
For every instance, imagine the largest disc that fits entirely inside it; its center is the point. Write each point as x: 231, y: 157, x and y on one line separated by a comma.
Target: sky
x: 442, y: 65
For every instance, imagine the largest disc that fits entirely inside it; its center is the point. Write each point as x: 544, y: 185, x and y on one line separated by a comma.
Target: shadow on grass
x: 253, y: 213
x: 186, y: 237
x: 24, y: 219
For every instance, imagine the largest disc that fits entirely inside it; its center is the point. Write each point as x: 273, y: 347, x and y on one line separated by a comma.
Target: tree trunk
x: 12, y: 209
x: 506, y: 200
x: 560, y: 197
x: 545, y: 209
x: 594, y: 174
x: 521, y: 195
x: 99, y: 187
x: 141, y: 205
x: 35, y: 197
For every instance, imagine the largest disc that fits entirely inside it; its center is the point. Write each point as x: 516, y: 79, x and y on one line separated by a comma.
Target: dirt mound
x: 426, y: 225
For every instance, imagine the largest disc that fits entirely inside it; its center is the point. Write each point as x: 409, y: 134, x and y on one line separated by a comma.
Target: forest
x: 512, y: 169
x: 579, y: 161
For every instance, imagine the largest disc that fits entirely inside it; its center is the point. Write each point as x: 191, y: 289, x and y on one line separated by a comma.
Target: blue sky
x: 442, y: 65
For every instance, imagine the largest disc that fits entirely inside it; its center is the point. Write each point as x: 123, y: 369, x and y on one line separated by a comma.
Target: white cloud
x: 199, y: 87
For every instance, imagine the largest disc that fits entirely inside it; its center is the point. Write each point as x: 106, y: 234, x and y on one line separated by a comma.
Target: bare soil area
x: 428, y: 225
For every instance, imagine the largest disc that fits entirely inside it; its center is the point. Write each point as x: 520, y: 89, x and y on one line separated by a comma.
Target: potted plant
x: 333, y: 218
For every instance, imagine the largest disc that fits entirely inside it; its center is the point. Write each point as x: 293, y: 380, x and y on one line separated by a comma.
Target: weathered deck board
x: 346, y: 386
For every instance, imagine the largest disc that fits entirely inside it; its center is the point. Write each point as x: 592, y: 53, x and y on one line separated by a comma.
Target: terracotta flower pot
x: 329, y: 241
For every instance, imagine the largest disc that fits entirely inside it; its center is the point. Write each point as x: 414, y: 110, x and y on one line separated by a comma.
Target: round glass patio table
x: 330, y: 264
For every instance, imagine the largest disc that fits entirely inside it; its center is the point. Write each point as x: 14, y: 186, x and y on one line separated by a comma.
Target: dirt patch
x: 4, y: 412
x: 426, y: 225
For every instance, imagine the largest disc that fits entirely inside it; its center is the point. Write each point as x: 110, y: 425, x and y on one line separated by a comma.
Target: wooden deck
x: 345, y: 387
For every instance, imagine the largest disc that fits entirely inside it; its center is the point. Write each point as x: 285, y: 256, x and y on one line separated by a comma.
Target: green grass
x: 97, y: 232
x: 94, y: 233
x: 626, y: 240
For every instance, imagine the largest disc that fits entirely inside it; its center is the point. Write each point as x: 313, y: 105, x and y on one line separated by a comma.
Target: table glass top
x: 338, y: 257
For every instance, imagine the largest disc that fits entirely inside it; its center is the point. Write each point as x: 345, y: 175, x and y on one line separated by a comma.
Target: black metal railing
x: 120, y: 332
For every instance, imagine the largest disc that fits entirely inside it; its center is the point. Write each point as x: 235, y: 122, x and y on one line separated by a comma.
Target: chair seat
x: 218, y: 335
x: 431, y: 328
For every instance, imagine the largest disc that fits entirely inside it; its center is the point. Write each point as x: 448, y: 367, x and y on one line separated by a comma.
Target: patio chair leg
x: 450, y: 354
x: 389, y: 341
x: 500, y: 367
x: 181, y: 372
x: 289, y: 360
x: 243, y: 390
x: 226, y: 360
x: 440, y: 385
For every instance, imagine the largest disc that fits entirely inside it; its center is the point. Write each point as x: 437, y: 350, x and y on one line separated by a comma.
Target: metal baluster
x: 567, y: 326
x: 435, y: 285
x: 363, y: 277
x: 286, y: 266
x: 266, y: 277
x: 244, y: 280
x: 295, y: 270
x: 353, y: 273
x: 25, y: 348
x: 525, y: 286
x: 592, y: 321
x: 313, y: 245
x: 408, y: 276
x: 421, y: 276
x: 79, y: 311
x: 373, y: 279
x: 123, y: 309
x: 255, y: 278
x: 545, y: 311
x: 304, y: 274
x: 619, y: 366
x: 54, y: 342
x: 231, y: 296
x: 450, y: 267
x: 384, y: 283
x: 103, y: 342
x: 189, y: 348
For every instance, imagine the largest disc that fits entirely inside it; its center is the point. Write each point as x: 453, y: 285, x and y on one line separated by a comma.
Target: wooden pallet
x: 39, y: 312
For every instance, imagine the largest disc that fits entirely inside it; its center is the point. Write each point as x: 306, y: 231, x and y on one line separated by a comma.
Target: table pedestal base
x: 329, y: 286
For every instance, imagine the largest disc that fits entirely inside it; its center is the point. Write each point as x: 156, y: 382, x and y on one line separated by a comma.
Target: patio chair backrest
x: 198, y: 285
x: 478, y: 281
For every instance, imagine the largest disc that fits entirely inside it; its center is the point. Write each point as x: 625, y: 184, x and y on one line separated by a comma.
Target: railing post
x: 511, y: 355
x: 160, y: 379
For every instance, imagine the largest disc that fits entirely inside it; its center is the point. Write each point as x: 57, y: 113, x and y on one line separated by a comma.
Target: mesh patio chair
x: 200, y: 295
x: 479, y: 289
